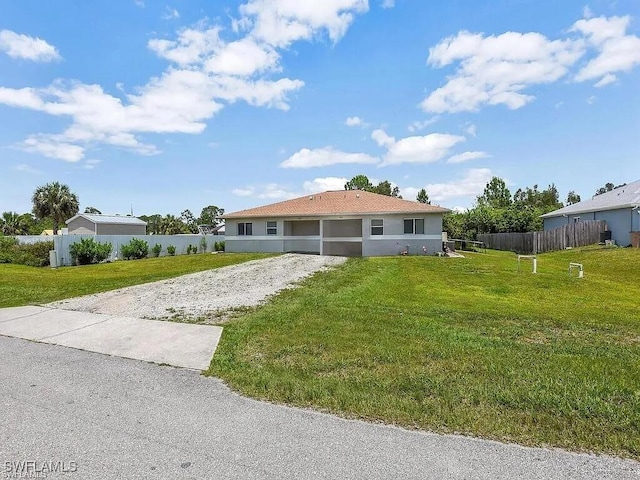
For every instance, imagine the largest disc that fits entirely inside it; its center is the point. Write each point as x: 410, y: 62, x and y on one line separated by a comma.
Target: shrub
x: 203, y: 245
x: 136, y: 249
x: 7, y: 249
x: 87, y: 251
x: 221, y: 246
x: 31, y: 254
x: 157, y: 248
x: 171, y: 250
x: 191, y: 249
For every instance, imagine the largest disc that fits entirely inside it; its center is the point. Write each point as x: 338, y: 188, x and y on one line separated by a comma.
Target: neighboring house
x: 620, y: 208
x: 211, y: 229
x: 345, y: 222
x: 89, y: 223
x: 61, y: 231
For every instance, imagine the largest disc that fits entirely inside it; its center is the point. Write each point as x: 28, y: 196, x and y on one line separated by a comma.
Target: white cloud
x: 586, y: 12
x: 591, y: 99
x: 421, y: 125
x: 617, y: 51
x: 388, y: 3
x: 606, y: 80
x: 467, y: 156
x: 471, y: 129
x: 471, y: 184
x: 323, y: 157
x: 17, y: 45
x: 282, y: 22
x: 324, y: 184
x: 353, y: 121
x: 243, y: 192
x: 493, y: 70
x: 419, y: 149
x: 497, y: 69
x: 170, y: 13
x: 23, y: 167
x: 53, y: 149
x: 139, y: 3
x: 270, y: 191
x: 91, y: 163
x: 382, y: 139
x: 206, y: 72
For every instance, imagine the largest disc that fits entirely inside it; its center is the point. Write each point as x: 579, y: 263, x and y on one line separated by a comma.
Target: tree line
x: 54, y: 203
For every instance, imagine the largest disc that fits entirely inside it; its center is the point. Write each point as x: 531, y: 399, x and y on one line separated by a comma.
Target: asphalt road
x: 103, y: 417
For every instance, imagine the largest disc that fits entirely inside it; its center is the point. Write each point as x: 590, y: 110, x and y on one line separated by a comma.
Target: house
x: 94, y: 224
x: 620, y: 208
x: 344, y: 222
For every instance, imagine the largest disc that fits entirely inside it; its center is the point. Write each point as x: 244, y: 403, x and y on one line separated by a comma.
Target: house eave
x: 559, y: 213
x: 441, y: 210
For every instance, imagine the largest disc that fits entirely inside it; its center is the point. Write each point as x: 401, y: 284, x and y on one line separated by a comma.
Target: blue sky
x: 187, y: 103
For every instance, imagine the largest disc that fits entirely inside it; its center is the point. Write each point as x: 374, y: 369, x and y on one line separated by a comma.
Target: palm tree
x: 55, y: 200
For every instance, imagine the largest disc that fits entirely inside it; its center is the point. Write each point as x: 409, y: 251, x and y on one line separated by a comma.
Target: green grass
x: 21, y: 285
x: 457, y: 345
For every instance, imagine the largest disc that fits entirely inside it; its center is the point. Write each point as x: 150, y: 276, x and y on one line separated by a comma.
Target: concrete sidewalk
x: 176, y: 344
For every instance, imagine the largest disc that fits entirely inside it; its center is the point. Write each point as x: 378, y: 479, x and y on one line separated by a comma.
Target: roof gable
x: 627, y: 196
x: 340, y: 202
x: 109, y: 219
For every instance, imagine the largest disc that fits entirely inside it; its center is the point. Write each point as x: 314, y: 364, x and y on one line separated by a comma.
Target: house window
x: 377, y: 227
x: 414, y: 226
x: 272, y: 227
x: 245, y: 228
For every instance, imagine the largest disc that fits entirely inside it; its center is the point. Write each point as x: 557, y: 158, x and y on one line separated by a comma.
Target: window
x: 576, y: 219
x: 414, y: 226
x: 245, y: 228
x: 272, y: 227
x: 377, y: 227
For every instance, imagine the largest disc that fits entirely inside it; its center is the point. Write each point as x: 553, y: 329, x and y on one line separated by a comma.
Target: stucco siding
x: 619, y: 222
x: 81, y: 226
x: 356, y: 233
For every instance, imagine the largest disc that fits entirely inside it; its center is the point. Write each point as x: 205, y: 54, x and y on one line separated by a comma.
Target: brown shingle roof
x: 341, y: 202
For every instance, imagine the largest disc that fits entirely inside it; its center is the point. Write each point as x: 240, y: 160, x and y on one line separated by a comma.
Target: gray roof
x: 109, y: 219
x: 627, y: 196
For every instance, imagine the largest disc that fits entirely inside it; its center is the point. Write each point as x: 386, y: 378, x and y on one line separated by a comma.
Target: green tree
x: 608, y: 187
x: 55, y: 200
x: 12, y: 223
x: 385, y: 188
x: 422, y: 197
x: 153, y: 223
x: 362, y: 182
x: 572, y: 197
x: 211, y: 216
x: 171, y: 225
x: 495, y: 195
x: 92, y: 210
x: 359, y: 182
x: 189, y: 221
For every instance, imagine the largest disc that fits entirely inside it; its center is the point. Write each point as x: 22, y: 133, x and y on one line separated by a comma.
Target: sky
x: 164, y: 106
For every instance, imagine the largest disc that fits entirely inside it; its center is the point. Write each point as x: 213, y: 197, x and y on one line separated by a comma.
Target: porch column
x: 321, y: 236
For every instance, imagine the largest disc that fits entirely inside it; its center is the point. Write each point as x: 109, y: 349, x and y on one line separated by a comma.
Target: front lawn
x: 457, y: 345
x: 21, y: 285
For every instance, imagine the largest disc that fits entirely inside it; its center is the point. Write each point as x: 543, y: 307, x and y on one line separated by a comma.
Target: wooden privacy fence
x: 576, y: 234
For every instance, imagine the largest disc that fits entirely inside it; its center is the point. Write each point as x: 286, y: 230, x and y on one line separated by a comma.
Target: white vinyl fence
x: 181, y: 242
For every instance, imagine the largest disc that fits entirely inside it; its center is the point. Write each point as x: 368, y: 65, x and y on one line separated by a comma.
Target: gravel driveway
x: 206, y: 297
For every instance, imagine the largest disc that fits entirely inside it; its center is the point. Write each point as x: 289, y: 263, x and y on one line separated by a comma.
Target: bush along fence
x: 94, y: 248
x: 572, y: 235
